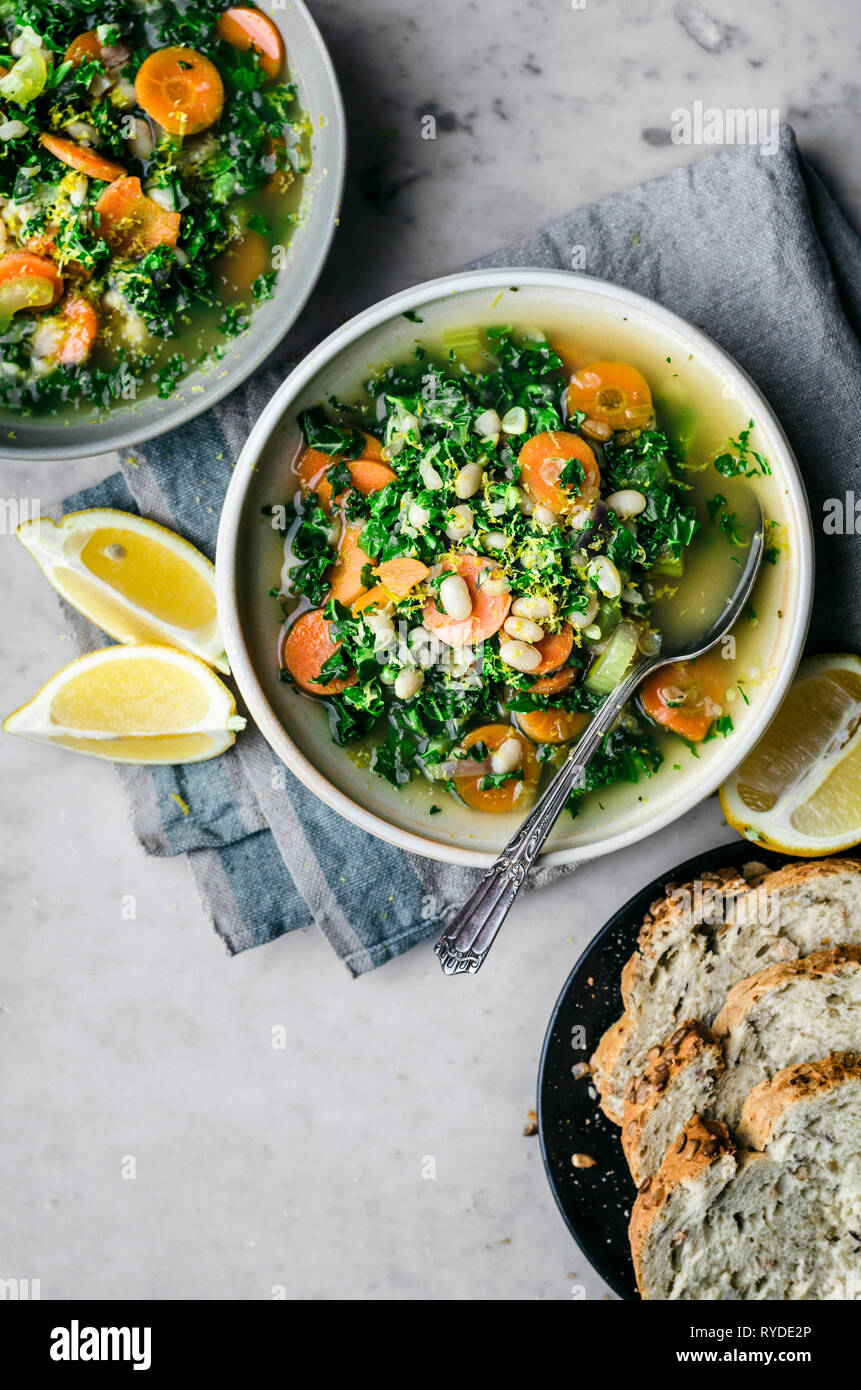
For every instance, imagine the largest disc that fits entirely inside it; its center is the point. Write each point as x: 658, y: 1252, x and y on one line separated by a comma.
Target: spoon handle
x: 467, y: 939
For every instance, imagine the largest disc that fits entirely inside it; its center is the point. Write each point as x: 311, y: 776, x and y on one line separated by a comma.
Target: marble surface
x: 159, y: 1141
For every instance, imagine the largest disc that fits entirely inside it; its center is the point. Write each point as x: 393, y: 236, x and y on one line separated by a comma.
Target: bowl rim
x: 256, y: 354
x: 226, y: 558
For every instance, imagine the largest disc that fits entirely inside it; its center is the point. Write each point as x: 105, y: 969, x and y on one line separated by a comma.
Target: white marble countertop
x: 301, y: 1169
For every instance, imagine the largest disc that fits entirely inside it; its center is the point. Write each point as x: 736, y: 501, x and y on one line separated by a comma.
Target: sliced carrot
x: 543, y: 458
x: 555, y: 649
x: 131, y: 223
x: 489, y: 611
x: 244, y: 261
x: 613, y: 392
x: 26, y: 265
x: 515, y: 792
x: 88, y: 162
x: 685, y: 697
x: 552, y: 725
x: 181, y: 89
x: 307, y: 647
x: 377, y: 597
x: 345, y: 576
x: 368, y: 474
x: 85, y: 48
x: 555, y: 684
x: 401, y: 575
x: 79, y: 329
x: 246, y: 28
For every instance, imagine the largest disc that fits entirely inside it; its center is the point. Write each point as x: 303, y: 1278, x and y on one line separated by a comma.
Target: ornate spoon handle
x: 465, y: 943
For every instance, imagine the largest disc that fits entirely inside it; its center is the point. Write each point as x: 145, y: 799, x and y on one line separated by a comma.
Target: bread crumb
x: 531, y: 1126
x: 583, y: 1161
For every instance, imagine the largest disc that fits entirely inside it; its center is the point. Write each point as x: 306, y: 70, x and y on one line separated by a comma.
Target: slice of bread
x: 704, y: 938
x: 788, y: 1013
x: 780, y: 1219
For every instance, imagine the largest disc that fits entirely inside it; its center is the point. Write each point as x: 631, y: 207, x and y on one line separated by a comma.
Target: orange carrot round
x: 489, y: 611
x: 181, y: 89
x: 246, y: 28
x: 88, y: 162
x: 542, y: 459
x: 554, y: 684
x: 345, y: 576
x: 368, y: 473
x: 307, y: 647
x: 80, y: 329
x: 512, y: 793
x: 613, y: 392
x: 552, y: 725
x: 85, y: 48
x: 555, y: 649
x: 685, y: 697
x: 131, y: 223
x: 401, y: 575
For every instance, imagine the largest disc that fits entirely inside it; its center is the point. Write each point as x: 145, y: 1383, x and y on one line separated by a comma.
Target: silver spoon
x: 466, y: 941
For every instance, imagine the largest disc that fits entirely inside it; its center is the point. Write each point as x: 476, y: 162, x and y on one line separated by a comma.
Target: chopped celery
x: 668, y: 563
x: 463, y: 342
x: 24, y: 292
x: 608, y: 616
x: 605, y: 673
x: 26, y: 79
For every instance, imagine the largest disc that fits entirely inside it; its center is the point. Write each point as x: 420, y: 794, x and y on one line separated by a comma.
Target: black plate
x: 596, y: 1202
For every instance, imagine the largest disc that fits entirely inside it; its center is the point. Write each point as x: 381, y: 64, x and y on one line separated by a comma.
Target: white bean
x: 383, y: 630
x: 468, y: 481
x: 140, y: 143
x: 579, y: 517
x: 454, y: 597
x: 494, y: 582
x: 430, y: 477
x: 418, y: 516
x: 544, y: 516
x: 409, y: 682
x: 164, y: 197
x: 419, y: 637
x: 584, y: 619
x: 627, y: 503
x: 526, y: 504
x: 520, y: 655
x: 524, y: 628
x: 606, y: 576
x: 460, y: 522
x: 12, y: 130
x: 508, y: 756
x: 487, y: 424
x: 495, y: 540
x: 515, y: 421
x: 534, y: 606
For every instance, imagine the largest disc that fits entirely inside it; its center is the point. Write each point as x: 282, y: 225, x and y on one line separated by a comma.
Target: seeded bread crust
x: 727, y: 927
x: 768, y: 1103
x: 691, y: 1198
x: 744, y: 996
x: 709, y: 1071
x: 692, y: 1045
x: 702, y: 1144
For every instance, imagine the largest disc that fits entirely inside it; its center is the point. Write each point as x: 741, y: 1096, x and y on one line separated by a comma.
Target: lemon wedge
x: 143, y: 704
x: 799, y: 791
x: 134, y: 579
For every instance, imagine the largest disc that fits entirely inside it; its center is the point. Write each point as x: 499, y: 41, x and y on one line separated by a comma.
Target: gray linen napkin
x: 749, y: 247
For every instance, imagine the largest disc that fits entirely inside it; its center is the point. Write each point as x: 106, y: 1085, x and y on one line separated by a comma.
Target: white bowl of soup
x: 423, y: 596
x: 165, y: 211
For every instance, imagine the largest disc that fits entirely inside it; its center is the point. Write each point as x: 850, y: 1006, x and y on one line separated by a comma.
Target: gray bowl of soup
x: 141, y: 279
x: 702, y: 400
